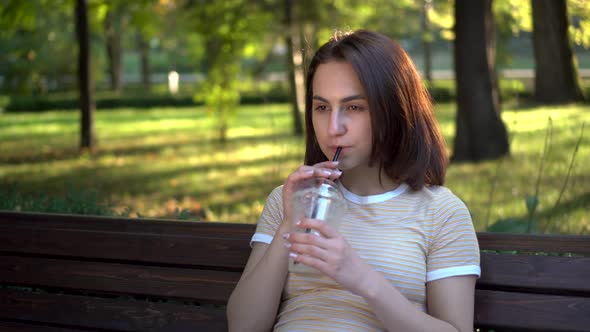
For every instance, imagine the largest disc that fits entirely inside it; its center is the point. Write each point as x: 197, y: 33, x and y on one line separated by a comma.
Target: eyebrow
x: 343, y: 100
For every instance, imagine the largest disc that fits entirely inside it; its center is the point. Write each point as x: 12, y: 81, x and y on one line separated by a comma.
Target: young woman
x: 405, y: 256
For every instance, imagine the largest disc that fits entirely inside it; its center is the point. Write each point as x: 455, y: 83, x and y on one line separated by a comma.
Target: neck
x: 365, y: 182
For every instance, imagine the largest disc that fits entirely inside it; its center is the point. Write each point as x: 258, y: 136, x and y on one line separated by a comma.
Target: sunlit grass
x: 157, y: 160
x: 515, y: 177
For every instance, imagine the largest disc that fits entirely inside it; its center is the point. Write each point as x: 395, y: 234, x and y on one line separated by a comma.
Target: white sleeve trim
x: 453, y: 271
x: 259, y: 237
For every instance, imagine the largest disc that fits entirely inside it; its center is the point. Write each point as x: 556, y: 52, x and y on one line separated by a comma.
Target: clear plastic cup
x: 320, y: 199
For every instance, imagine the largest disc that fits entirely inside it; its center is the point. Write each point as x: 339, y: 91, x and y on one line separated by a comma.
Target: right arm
x: 254, y: 303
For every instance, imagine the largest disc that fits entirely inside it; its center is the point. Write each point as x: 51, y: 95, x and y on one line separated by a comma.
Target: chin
x: 343, y: 165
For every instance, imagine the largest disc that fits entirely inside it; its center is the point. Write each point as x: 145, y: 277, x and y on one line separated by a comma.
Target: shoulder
x: 274, y: 200
x: 435, y: 197
x: 439, y: 197
x: 276, y: 194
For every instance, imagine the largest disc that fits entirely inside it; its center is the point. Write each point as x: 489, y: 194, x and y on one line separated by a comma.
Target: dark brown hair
x: 407, y: 142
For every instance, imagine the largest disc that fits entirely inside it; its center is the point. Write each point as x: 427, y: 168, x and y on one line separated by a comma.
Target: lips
x: 334, y: 148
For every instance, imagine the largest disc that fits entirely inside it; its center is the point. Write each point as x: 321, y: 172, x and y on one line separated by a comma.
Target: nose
x: 337, y: 125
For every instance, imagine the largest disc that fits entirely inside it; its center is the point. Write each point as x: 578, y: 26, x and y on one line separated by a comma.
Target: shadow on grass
x: 581, y: 201
x: 209, y: 143
x: 60, y: 119
x: 130, y: 180
x: 529, y: 104
x: 544, y: 221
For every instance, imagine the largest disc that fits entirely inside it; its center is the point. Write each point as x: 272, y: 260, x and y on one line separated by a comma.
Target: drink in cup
x: 321, y: 199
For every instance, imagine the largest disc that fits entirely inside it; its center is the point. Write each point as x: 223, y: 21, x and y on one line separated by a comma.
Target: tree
x: 290, y: 30
x: 427, y: 39
x: 226, y: 27
x: 87, y: 139
x: 144, y: 55
x: 114, y: 23
x: 146, y: 17
x: 480, y: 132
x: 35, y: 45
x: 556, y: 76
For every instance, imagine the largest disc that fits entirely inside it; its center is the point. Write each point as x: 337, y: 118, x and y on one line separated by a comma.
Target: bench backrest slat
x: 146, y: 280
x: 118, y: 314
x: 508, y: 311
x: 535, y: 243
x: 214, y: 246
x: 126, y: 225
x: 529, y: 273
x: 11, y: 326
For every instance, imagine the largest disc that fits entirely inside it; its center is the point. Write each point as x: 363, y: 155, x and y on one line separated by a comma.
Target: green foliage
x: 181, y: 214
x: 75, y: 201
x: 15, y: 14
x: 4, y: 102
x: 580, y: 18
x: 512, y: 225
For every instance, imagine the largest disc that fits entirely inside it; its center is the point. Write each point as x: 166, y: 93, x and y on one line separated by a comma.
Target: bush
x: 442, y: 91
x: 4, y: 101
x: 259, y: 93
x: 44, y: 103
x: 76, y: 201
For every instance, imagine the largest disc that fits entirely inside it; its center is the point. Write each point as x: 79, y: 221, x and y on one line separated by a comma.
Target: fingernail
x: 292, y: 255
x: 336, y: 162
x: 327, y: 172
x: 287, y: 244
x: 286, y: 236
x: 337, y: 172
x: 298, y: 223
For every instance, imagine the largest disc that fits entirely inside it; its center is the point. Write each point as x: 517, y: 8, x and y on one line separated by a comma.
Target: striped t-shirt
x: 411, y: 237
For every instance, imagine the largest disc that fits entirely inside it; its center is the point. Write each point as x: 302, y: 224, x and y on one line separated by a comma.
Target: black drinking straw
x: 337, y: 154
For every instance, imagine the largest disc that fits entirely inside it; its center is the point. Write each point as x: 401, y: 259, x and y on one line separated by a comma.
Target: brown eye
x: 321, y: 108
x: 355, y: 108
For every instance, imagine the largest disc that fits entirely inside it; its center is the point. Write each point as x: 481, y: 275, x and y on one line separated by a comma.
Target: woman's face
x: 340, y: 114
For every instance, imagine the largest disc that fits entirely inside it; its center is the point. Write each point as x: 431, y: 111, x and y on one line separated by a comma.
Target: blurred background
x: 192, y: 110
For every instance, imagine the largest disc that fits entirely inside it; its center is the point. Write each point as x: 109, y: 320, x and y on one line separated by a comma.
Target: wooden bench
x: 79, y: 273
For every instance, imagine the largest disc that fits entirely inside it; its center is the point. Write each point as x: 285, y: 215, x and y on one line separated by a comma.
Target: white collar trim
x: 372, y: 198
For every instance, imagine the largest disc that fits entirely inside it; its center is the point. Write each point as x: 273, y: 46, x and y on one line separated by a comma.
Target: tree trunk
x: 491, y: 43
x: 144, y: 54
x: 480, y: 133
x: 87, y: 140
x: 556, y: 76
x: 113, y: 45
x: 427, y: 40
x: 295, y: 111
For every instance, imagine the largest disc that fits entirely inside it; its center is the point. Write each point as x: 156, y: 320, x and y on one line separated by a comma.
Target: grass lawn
x: 153, y: 161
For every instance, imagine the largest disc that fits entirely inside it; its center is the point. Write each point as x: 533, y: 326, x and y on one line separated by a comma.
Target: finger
x: 309, y: 250
x: 324, y: 228
x: 308, y: 239
x: 302, y: 173
x: 311, y: 261
x: 327, y: 164
x: 328, y: 169
x: 327, y: 173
